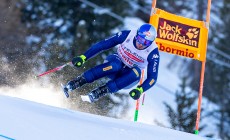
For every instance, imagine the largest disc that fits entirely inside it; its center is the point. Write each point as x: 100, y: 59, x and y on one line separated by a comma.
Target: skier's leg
x: 76, y: 83
x: 131, y: 76
x: 126, y: 79
x: 112, y: 65
x: 95, y: 94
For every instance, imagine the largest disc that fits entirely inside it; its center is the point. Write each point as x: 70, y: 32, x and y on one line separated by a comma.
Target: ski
x: 65, y: 90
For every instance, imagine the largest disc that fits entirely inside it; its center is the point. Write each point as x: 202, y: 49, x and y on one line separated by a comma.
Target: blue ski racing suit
x: 123, y: 67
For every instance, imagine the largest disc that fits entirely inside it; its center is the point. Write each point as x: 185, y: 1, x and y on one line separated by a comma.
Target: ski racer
x: 136, y: 50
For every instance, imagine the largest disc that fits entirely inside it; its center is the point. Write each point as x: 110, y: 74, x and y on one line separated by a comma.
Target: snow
x: 26, y: 120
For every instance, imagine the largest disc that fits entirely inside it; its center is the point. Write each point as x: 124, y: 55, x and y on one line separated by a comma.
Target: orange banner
x: 179, y: 35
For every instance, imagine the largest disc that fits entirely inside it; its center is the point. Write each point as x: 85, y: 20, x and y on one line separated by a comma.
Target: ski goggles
x: 143, y: 41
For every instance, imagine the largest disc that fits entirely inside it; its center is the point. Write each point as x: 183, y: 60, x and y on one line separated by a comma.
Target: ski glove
x: 79, y: 60
x: 136, y: 93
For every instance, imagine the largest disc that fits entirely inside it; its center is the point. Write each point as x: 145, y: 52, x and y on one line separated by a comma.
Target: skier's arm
x: 152, y: 70
x: 106, y: 44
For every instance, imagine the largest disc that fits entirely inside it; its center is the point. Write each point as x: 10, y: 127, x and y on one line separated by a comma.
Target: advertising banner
x: 179, y: 35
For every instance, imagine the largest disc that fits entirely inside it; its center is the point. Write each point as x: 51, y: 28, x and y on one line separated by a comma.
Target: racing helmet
x: 146, y: 34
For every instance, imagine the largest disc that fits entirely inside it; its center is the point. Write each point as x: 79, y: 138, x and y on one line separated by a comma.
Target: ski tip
x: 65, y: 90
x: 86, y: 98
x: 66, y: 94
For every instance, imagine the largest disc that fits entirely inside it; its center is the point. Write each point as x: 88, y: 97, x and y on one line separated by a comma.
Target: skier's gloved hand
x: 136, y: 93
x: 79, y: 60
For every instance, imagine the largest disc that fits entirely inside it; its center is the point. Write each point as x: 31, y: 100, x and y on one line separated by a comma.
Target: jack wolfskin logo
x: 192, y: 33
x: 178, y: 32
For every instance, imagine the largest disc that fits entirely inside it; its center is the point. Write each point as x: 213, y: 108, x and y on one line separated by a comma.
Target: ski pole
x: 143, y: 99
x: 136, y: 110
x: 137, y: 102
x: 53, y: 70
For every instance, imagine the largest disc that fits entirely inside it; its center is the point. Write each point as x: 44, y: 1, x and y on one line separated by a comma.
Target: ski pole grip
x: 79, y: 60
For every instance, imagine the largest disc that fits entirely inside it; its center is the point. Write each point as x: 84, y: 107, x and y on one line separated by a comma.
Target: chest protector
x: 131, y: 56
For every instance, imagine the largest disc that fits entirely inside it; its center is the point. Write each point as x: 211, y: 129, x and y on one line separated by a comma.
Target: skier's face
x: 142, y: 43
x: 140, y: 46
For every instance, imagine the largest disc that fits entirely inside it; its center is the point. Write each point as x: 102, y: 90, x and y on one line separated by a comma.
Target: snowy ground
x: 26, y: 120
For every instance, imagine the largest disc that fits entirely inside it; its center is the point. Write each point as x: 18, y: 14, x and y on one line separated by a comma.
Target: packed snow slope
x: 26, y: 120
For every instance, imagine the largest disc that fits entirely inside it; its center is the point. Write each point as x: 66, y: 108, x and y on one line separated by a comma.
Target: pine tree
x: 183, y: 118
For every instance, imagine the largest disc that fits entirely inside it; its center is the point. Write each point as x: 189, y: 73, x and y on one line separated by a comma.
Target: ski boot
x: 74, y: 84
x: 96, y: 94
